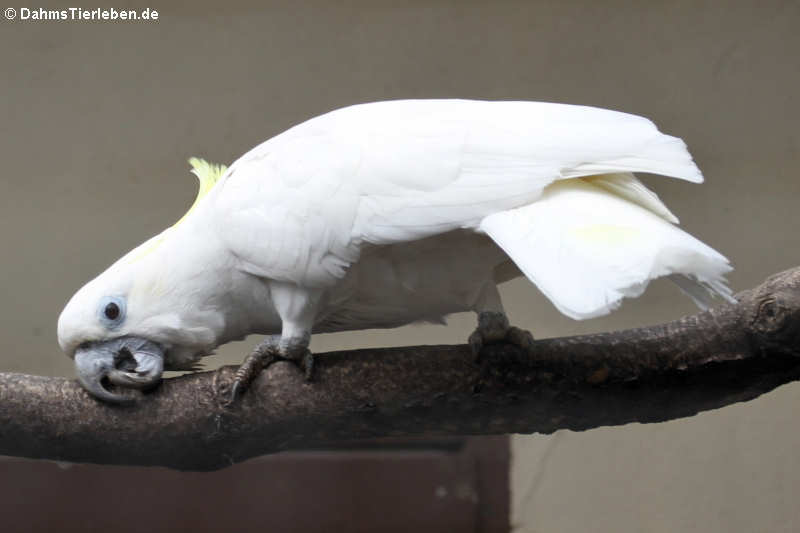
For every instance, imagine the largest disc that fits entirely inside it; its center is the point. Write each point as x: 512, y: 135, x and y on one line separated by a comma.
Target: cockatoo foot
x: 493, y: 328
x: 269, y: 351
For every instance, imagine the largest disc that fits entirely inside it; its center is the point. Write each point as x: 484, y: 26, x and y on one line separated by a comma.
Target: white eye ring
x: 112, y: 311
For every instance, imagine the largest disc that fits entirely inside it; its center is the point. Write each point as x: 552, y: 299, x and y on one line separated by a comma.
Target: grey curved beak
x: 127, y: 362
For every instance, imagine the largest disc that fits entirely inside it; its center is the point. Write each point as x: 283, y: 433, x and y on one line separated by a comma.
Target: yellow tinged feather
x: 208, y: 174
x: 605, y: 233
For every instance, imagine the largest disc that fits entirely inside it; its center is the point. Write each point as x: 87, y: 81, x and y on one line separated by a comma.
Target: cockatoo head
x: 136, y: 319
x: 102, y: 332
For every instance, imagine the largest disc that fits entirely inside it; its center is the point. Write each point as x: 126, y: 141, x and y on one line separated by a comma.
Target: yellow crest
x: 208, y: 174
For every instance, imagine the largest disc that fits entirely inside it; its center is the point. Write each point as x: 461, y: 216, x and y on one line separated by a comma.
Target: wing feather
x: 299, y: 206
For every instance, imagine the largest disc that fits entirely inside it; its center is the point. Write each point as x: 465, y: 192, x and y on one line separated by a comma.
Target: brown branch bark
x: 728, y: 354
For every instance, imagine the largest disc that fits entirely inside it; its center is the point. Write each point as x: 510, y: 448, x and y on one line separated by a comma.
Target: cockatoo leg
x: 271, y: 350
x: 297, y: 308
x: 493, y: 326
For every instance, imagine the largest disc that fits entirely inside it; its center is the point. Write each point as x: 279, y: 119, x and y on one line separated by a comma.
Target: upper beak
x: 128, y: 362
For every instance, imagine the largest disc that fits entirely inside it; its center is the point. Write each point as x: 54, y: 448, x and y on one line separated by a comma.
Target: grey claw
x: 308, y: 366
x: 251, y: 367
x: 235, y: 390
x: 267, y: 352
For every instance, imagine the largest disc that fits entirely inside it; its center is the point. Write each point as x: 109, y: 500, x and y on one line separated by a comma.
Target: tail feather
x: 702, y: 293
x: 586, y: 249
x: 626, y: 185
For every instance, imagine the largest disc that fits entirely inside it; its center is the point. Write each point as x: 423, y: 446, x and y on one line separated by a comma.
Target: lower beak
x: 127, y: 362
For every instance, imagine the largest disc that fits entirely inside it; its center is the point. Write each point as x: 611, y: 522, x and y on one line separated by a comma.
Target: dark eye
x: 111, y: 311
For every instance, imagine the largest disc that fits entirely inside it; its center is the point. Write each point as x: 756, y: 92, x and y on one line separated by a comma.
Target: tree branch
x: 728, y: 354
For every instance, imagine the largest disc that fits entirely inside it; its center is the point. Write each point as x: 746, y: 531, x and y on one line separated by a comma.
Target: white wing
x: 299, y: 206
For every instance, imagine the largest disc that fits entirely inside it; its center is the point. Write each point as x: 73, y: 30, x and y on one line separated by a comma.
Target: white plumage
x: 402, y: 171
x: 381, y: 214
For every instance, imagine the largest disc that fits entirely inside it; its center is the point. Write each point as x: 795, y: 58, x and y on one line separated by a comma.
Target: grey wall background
x: 98, y: 119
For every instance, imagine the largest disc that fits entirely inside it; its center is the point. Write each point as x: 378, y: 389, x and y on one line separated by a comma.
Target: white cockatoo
x: 382, y: 214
